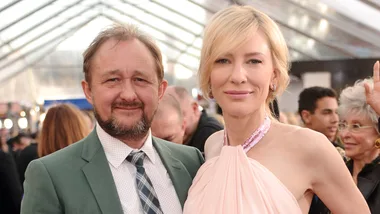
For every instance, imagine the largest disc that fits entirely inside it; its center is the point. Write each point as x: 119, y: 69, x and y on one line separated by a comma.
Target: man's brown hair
x: 122, y: 33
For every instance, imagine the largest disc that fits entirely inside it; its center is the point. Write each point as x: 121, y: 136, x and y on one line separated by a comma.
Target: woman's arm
x: 332, y: 182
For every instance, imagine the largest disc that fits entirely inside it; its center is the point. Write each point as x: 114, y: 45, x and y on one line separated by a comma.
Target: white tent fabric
x: 41, y: 42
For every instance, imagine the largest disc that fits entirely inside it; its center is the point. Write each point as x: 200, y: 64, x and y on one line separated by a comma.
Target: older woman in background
x: 359, y: 132
x: 64, y: 124
x: 359, y: 112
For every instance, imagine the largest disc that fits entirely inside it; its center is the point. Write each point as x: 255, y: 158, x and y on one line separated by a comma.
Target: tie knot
x: 136, y: 158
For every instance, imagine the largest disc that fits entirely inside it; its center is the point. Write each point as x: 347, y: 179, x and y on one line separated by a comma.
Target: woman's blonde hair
x: 63, y: 125
x: 230, y: 28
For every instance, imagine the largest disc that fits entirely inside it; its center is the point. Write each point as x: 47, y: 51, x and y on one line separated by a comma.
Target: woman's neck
x: 359, y: 163
x: 239, y: 129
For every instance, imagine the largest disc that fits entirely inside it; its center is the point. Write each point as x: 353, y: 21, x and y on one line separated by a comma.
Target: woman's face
x: 358, y: 134
x: 240, y: 80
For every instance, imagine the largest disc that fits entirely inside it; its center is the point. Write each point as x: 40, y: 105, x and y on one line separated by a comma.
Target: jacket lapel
x: 367, y: 186
x: 99, y: 176
x: 177, y: 171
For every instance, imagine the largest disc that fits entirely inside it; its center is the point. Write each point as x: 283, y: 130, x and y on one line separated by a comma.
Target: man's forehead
x: 327, y: 102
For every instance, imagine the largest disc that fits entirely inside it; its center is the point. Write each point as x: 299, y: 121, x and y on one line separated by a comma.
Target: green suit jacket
x: 77, y: 179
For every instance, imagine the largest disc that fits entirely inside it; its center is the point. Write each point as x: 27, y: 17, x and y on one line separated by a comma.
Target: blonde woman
x: 258, y: 165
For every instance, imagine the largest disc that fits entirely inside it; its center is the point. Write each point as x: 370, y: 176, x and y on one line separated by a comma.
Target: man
x: 119, y: 168
x: 20, y: 142
x: 318, y: 107
x: 26, y: 156
x: 199, y: 126
x: 168, y: 123
x: 10, y: 187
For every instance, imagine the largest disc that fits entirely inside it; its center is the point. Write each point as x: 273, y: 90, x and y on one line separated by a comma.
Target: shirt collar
x: 117, y: 151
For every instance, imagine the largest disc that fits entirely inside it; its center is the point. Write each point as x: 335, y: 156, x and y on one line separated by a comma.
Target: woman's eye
x: 356, y: 126
x: 222, y: 61
x: 254, y: 61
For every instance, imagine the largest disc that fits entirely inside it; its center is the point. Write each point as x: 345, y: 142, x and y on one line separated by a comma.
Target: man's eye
x: 112, y: 80
x: 140, y: 80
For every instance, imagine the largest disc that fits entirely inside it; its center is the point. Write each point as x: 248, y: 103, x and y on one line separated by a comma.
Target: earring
x: 210, y: 93
x: 273, y: 87
x: 377, y: 143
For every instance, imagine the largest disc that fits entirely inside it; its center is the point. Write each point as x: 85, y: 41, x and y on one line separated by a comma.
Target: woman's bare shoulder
x: 214, y: 144
x: 307, y: 143
x: 301, y: 138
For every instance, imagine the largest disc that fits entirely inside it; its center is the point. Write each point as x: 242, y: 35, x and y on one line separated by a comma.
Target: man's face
x: 124, y: 88
x: 168, y: 126
x: 325, y: 118
x: 188, y: 112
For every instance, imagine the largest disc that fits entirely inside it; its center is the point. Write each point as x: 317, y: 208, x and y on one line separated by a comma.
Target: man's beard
x: 117, y: 130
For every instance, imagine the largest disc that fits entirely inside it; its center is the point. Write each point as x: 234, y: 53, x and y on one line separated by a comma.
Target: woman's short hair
x: 228, y: 29
x: 353, y: 99
x: 63, y: 125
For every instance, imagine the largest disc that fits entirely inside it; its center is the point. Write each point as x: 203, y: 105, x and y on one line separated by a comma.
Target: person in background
x: 168, y: 123
x: 4, y: 134
x: 19, y: 143
x: 89, y: 118
x: 26, y: 156
x: 318, y: 108
x: 359, y: 111
x: 199, y: 125
x: 64, y: 124
x: 10, y: 187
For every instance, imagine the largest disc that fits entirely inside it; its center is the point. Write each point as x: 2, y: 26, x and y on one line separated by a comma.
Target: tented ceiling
x: 41, y: 41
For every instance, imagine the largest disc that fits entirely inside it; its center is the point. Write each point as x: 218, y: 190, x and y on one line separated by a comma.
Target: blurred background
x: 332, y: 43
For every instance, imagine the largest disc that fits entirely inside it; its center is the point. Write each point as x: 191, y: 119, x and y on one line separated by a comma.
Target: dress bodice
x: 233, y: 183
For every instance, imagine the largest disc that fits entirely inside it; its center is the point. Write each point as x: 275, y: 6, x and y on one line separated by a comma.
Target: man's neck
x: 193, y: 129
x: 134, y: 143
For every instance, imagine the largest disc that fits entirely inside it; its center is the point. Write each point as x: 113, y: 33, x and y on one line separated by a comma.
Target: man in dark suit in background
x: 10, y: 187
x: 199, y: 125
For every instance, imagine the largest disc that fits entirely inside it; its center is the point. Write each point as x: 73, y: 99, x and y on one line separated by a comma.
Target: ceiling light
x: 8, y: 124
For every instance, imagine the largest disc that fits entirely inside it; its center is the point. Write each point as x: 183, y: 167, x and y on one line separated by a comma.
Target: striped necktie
x: 148, y: 196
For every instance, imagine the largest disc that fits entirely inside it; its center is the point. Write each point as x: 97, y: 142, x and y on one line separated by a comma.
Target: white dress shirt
x: 124, y: 174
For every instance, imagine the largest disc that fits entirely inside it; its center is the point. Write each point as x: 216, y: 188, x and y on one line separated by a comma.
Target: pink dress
x: 233, y: 183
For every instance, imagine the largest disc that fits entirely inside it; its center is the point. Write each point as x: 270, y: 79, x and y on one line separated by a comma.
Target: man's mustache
x: 127, y: 105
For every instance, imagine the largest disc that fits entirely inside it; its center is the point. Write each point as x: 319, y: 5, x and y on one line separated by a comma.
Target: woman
x: 359, y: 112
x: 278, y: 168
x: 64, y: 124
x: 360, y: 135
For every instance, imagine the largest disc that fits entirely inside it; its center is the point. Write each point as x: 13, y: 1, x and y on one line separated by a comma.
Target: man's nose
x: 128, y: 91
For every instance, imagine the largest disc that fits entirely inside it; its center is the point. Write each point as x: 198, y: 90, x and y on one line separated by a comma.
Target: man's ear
x: 162, y: 88
x: 87, y: 91
x: 195, y: 107
x: 183, y: 126
x: 306, y: 116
